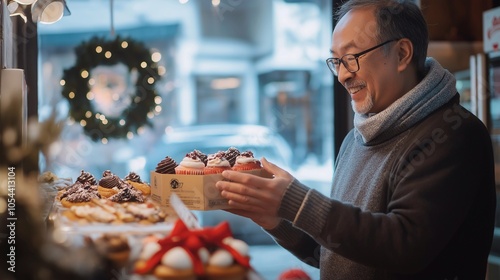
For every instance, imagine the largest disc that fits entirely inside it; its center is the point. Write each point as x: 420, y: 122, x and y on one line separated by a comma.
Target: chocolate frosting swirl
x: 134, y: 177
x: 203, y: 157
x: 166, y: 166
x: 86, y: 177
x: 110, y: 182
x: 231, y: 155
x: 107, y: 173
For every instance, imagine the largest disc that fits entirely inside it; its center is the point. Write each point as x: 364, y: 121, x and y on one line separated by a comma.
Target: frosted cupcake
x: 166, y: 166
x: 216, y: 163
x: 246, y: 161
x: 109, y: 185
x: 202, y: 156
x: 191, y: 164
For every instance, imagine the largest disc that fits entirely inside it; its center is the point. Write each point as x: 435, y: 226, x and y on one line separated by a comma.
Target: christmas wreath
x: 77, y: 82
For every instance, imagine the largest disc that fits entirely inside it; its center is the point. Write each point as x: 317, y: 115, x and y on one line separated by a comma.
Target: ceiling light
x: 48, y: 11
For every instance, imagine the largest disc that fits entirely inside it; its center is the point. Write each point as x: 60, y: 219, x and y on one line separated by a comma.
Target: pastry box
x: 198, y: 192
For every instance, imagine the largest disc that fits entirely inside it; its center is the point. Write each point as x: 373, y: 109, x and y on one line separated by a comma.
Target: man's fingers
x: 243, y: 178
x: 274, y: 169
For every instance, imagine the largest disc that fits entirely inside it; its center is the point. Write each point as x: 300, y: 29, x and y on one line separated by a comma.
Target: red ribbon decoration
x: 192, y: 241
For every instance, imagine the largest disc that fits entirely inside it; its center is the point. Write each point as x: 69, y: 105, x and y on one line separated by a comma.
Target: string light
x: 137, y: 59
x: 83, y: 123
x: 158, y: 100
x: 130, y: 135
x: 140, y: 130
x: 104, y: 141
x: 162, y: 70
x: 156, y: 56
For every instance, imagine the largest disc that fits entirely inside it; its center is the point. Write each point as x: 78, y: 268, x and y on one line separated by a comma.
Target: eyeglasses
x: 350, y: 61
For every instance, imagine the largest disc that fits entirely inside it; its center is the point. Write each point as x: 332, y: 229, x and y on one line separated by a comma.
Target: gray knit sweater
x: 413, y: 194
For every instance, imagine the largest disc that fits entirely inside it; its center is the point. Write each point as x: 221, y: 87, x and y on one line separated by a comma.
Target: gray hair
x: 396, y: 19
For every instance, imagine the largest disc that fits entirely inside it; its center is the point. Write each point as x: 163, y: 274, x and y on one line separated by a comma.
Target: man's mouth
x: 355, y: 89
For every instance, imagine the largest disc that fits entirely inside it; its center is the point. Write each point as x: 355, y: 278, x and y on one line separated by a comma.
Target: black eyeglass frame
x: 333, y: 63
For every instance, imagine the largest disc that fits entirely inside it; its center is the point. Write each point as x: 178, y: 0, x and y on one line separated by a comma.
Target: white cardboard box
x: 198, y: 192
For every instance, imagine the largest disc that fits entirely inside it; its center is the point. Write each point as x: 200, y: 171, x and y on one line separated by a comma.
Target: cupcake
x: 127, y: 193
x: 86, y: 177
x: 79, y: 194
x: 191, y: 164
x: 135, y: 180
x: 216, y: 163
x: 231, y: 155
x: 109, y: 185
x: 202, y: 156
x: 166, y: 166
x: 246, y: 161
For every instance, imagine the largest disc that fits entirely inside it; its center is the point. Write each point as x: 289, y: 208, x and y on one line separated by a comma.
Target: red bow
x: 192, y: 241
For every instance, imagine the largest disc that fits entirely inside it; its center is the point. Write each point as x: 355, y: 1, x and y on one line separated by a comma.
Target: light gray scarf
x: 436, y: 89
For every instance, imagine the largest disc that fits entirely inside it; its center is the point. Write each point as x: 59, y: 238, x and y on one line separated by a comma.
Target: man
x: 413, y: 193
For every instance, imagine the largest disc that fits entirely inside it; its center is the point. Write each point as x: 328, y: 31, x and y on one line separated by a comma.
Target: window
x: 249, y: 74
x: 241, y: 62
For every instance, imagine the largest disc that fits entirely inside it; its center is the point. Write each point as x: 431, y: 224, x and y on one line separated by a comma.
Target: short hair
x: 396, y: 19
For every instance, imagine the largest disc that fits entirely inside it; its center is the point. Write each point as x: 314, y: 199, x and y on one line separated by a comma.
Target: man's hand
x: 256, y: 197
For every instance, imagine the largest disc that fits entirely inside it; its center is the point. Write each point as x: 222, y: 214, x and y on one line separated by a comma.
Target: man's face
x: 375, y: 85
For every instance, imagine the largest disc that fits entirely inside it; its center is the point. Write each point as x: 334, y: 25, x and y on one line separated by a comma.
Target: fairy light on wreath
x: 145, y: 102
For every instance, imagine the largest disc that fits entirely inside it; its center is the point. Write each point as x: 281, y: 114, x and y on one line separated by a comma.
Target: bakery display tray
x: 56, y: 220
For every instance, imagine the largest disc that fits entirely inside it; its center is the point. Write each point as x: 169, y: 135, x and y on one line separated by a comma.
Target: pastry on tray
x: 113, y: 247
x: 79, y: 194
x: 135, y: 180
x: 109, y: 185
x: 208, y: 253
x: 108, y: 212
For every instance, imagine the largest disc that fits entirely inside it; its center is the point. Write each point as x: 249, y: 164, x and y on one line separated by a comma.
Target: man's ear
x: 405, y: 53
